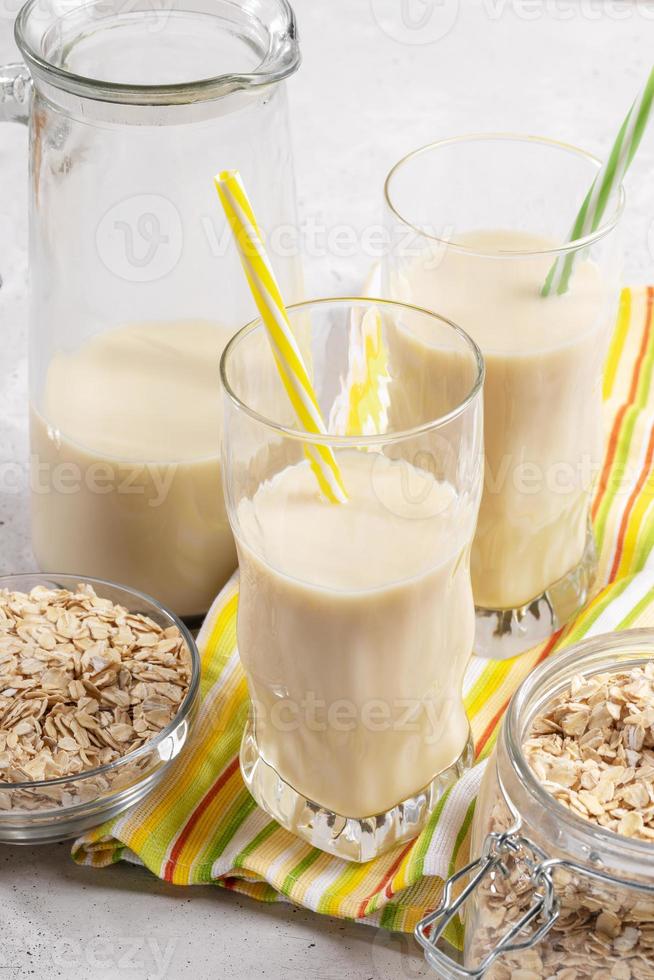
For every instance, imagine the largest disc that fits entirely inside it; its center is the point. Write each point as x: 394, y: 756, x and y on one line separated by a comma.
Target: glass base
x: 351, y: 838
x: 504, y: 633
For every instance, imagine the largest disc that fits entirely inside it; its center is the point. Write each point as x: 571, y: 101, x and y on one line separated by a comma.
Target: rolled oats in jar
x: 562, y: 881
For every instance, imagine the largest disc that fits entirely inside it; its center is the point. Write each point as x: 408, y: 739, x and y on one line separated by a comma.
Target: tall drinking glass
x: 476, y: 223
x: 356, y: 620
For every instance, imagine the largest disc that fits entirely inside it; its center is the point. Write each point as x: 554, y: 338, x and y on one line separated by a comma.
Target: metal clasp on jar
x: 543, y: 910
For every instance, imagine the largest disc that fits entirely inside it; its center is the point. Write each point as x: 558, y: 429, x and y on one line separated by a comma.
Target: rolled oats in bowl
x: 97, y: 689
x: 564, y: 825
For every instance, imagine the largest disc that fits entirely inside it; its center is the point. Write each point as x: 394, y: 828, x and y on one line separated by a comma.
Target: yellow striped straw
x: 270, y: 304
x: 361, y: 407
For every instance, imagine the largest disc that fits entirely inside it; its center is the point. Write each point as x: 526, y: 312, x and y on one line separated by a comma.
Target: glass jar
x: 135, y: 283
x: 355, y: 620
x: 476, y: 223
x: 550, y: 894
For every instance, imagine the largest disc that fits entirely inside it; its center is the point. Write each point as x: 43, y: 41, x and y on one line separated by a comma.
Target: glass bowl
x: 57, y: 809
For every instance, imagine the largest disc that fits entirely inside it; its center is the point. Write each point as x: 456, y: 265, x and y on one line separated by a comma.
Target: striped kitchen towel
x: 202, y: 826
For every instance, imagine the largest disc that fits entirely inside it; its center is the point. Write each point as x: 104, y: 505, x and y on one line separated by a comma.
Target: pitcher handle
x: 15, y: 93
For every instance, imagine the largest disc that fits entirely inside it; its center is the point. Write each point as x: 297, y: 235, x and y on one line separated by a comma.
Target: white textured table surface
x: 379, y: 78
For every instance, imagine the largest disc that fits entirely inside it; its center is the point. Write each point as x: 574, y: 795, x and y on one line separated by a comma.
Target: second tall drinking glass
x: 476, y: 224
x: 356, y: 619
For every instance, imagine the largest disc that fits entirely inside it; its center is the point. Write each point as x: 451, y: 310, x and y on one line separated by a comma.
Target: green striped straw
x: 608, y: 179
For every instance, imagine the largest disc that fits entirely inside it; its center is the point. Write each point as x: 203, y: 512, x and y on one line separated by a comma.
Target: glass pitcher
x: 135, y: 284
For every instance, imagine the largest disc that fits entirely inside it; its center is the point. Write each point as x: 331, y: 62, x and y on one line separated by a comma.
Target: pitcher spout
x: 171, y: 52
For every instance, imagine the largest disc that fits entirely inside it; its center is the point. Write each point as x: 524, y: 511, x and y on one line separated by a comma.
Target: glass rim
x: 377, y: 439
x: 508, y: 137
x: 272, y: 68
x: 185, y: 706
x: 549, y: 670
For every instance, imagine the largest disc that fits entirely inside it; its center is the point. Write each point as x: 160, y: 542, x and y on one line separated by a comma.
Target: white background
x: 372, y: 87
